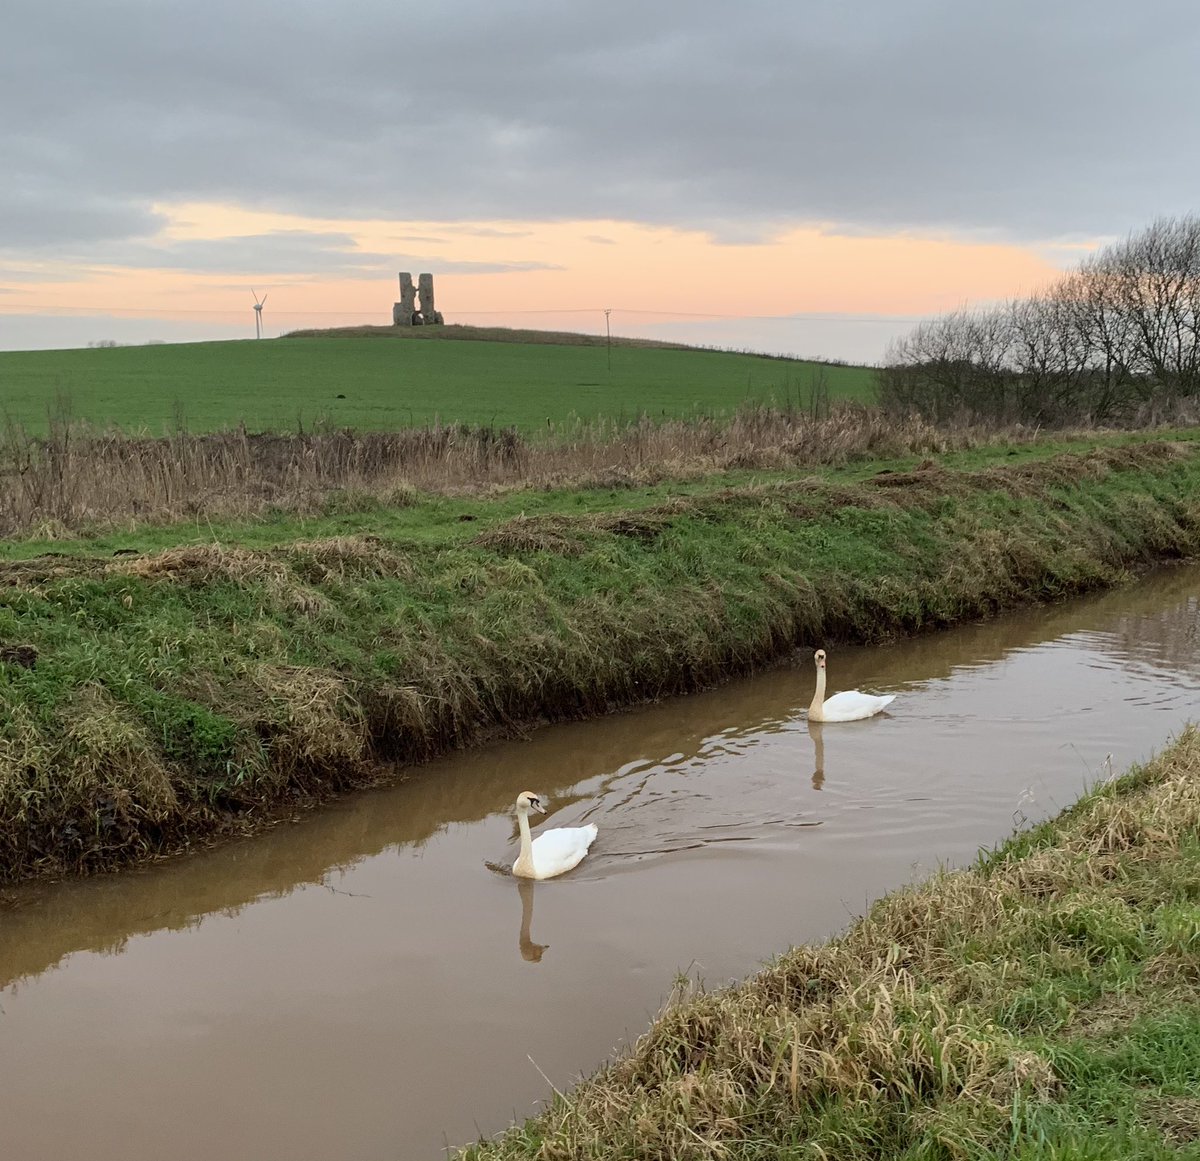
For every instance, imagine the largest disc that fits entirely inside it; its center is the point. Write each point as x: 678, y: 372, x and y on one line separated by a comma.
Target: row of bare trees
x: 1117, y: 340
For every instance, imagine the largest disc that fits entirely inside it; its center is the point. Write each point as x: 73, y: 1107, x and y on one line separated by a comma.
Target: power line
x: 140, y: 312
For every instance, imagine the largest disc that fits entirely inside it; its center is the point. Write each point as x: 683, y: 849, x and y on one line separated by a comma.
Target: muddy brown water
x: 359, y: 986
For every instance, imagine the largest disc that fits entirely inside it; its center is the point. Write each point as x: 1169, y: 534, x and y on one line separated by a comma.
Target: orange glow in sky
x: 558, y: 266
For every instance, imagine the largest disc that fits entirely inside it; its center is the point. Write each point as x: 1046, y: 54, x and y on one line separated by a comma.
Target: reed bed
x: 77, y: 480
x: 1042, y: 1004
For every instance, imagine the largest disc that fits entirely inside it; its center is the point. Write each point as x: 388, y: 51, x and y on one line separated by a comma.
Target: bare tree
x: 1120, y: 332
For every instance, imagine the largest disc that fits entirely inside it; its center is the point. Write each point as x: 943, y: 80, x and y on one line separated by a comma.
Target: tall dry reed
x: 77, y: 478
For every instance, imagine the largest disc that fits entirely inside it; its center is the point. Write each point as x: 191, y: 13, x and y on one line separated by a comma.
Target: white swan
x: 555, y: 851
x: 849, y: 706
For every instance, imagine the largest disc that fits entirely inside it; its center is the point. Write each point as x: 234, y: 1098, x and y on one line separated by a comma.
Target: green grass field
x: 355, y: 382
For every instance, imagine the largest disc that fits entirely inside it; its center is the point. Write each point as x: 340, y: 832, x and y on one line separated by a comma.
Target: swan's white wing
x: 851, y: 705
x: 557, y: 851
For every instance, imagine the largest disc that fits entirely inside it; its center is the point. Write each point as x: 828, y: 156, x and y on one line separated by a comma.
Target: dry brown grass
x: 78, y: 478
x: 816, y: 497
x: 205, y: 564
x: 460, y: 331
x: 1177, y: 1118
x: 345, y: 557
x: 102, y: 764
x: 319, y: 725
x: 1035, y: 478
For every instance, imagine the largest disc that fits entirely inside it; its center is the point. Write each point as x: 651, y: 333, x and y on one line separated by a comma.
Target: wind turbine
x: 258, y: 305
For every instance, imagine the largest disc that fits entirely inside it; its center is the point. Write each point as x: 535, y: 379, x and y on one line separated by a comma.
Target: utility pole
x: 608, y: 332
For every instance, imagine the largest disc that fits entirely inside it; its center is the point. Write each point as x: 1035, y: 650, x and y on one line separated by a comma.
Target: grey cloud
x: 34, y: 213
x: 278, y: 252
x: 1024, y: 121
x: 25, y: 276
x: 454, y: 266
x: 487, y: 231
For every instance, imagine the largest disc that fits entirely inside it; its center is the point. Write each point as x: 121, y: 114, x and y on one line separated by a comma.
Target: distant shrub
x: 1117, y: 339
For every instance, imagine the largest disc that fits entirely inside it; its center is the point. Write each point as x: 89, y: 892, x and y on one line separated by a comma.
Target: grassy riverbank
x: 1043, y: 1004
x: 155, y: 697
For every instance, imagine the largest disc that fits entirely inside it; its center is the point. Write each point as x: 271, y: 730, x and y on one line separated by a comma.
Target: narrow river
x: 359, y: 986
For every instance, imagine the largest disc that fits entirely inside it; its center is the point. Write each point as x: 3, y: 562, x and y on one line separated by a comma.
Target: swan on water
x: 553, y: 852
x: 848, y: 706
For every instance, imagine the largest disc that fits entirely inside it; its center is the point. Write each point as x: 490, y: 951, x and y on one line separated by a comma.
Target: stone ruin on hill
x: 410, y: 313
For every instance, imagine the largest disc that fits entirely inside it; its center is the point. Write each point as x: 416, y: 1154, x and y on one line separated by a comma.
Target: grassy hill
x: 519, y: 378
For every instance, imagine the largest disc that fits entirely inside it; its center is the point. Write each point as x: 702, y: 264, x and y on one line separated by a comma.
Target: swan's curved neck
x: 815, y: 710
x: 526, y: 855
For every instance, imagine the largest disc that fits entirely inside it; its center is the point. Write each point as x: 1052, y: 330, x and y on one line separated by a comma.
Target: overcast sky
x: 1030, y: 125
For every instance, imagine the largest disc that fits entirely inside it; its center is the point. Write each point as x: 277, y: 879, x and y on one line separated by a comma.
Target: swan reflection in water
x: 816, y: 731
x: 530, y: 951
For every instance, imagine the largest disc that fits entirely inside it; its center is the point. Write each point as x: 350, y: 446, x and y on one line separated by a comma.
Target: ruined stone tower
x: 404, y: 313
